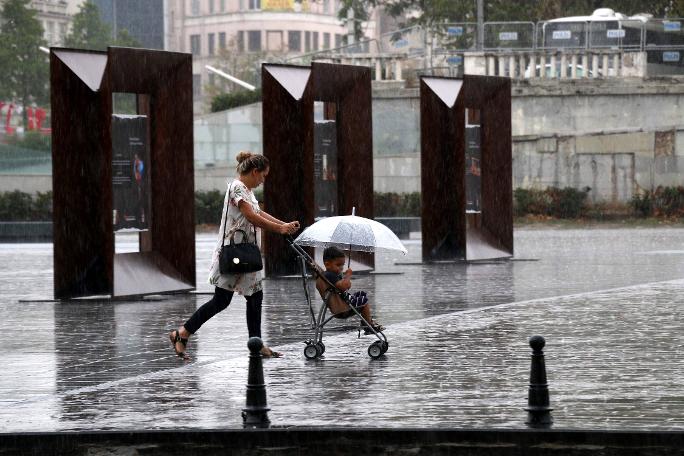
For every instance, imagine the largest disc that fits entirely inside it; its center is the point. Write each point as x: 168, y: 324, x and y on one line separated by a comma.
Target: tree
x: 89, y: 31
x: 24, y: 66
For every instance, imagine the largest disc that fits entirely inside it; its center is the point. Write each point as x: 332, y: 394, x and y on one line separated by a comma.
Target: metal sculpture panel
x: 466, y: 123
x: 289, y: 93
x: 82, y: 84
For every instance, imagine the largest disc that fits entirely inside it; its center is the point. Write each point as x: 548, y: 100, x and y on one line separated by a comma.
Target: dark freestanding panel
x: 82, y: 84
x: 289, y: 93
x: 447, y: 231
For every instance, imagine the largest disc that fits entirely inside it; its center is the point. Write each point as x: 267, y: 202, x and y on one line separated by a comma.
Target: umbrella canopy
x: 351, y: 233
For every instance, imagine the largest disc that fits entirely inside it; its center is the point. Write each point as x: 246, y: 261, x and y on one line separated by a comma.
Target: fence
x: 547, y: 49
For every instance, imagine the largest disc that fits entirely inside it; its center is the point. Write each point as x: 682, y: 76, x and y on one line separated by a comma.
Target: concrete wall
x: 616, y: 136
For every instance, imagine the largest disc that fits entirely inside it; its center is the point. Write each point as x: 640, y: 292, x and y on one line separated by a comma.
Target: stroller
x: 315, y: 347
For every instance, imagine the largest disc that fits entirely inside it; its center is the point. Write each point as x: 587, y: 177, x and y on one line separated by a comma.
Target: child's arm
x: 345, y: 283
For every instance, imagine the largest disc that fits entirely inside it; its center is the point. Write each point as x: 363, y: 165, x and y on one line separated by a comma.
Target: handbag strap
x: 225, y: 224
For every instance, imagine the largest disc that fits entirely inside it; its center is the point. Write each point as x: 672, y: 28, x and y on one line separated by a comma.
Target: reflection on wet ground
x: 608, y: 302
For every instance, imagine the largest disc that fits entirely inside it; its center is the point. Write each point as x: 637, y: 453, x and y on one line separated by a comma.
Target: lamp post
x: 480, y: 25
x: 225, y: 75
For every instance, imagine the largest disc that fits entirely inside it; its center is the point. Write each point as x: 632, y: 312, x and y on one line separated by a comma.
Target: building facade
x: 143, y: 19
x: 55, y: 19
x: 237, y: 35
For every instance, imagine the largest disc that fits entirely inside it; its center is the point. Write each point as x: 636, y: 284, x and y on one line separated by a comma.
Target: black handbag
x: 239, y: 258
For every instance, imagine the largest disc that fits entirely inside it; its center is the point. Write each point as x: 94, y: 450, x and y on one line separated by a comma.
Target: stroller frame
x: 315, y: 347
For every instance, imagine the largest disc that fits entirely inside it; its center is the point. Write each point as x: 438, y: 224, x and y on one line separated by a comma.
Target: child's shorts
x: 358, y: 299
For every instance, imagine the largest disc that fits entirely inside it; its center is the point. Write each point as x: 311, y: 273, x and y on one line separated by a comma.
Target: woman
x: 240, y: 212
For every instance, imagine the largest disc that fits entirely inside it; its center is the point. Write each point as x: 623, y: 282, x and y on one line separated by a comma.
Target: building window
x: 315, y: 41
x: 254, y: 4
x: 210, y: 44
x: 274, y: 40
x: 195, y: 7
x: 240, y: 41
x: 62, y: 32
x: 294, y: 40
x: 223, y: 5
x: 211, y: 6
x: 254, y: 40
x: 50, y: 32
x: 307, y: 41
x: 338, y: 40
x: 222, y: 40
x: 195, y: 45
x: 212, y: 79
x: 326, y: 6
x: 326, y: 40
x: 196, y: 85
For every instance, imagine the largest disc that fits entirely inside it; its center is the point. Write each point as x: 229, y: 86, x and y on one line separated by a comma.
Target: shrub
x: 642, y: 205
x: 34, y: 141
x: 235, y: 99
x: 208, y: 207
x: 663, y: 202
x: 557, y: 202
x: 530, y: 201
x: 392, y: 204
x: 18, y: 206
x: 567, y: 202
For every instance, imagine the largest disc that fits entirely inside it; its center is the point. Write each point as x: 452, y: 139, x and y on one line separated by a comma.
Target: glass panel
x: 473, y: 161
x: 130, y: 172
x: 325, y: 161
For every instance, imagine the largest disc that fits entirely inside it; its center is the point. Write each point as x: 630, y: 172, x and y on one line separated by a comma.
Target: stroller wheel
x: 321, y: 348
x: 385, y: 346
x: 311, y: 351
x: 375, y: 350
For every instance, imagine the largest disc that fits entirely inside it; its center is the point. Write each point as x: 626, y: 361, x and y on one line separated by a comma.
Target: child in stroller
x: 334, y: 259
x: 332, y: 284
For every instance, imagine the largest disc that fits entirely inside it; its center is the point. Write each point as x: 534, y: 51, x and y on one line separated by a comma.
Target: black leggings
x: 219, y: 302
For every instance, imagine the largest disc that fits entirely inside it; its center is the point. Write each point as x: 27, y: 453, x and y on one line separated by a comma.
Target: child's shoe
x: 375, y: 326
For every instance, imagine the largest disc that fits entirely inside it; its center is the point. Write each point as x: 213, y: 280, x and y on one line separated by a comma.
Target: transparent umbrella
x: 350, y: 232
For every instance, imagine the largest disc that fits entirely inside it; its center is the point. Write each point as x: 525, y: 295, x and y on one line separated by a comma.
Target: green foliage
x: 33, y: 140
x: 89, y: 31
x: 18, y: 206
x: 642, y: 205
x: 208, y: 207
x: 556, y: 202
x: 235, y: 99
x: 663, y: 202
x: 396, y: 204
x: 124, y: 39
x: 530, y: 201
x: 24, y: 67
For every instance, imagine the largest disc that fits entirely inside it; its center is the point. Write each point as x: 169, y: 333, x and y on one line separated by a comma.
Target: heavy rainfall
x: 527, y: 158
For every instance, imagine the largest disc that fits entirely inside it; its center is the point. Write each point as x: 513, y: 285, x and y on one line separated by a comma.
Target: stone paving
x: 608, y: 301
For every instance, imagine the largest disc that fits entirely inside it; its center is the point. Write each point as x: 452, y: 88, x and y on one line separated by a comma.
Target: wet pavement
x: 608, y: 302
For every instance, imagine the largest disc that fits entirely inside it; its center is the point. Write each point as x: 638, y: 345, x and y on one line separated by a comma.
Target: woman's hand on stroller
x: 289, y: 228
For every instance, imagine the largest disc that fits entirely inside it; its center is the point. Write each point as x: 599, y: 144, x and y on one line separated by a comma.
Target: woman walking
x: 240, y: 212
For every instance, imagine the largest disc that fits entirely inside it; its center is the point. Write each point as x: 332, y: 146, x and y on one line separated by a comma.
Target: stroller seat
x: 338, y: 303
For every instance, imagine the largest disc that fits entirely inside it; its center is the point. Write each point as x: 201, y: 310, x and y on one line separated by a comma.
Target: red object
x: 30, y: 122
x: 40, y: 117
x: 9, y: 130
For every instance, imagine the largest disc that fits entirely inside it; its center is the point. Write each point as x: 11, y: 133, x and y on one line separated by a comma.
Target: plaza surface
x: 608, y: 302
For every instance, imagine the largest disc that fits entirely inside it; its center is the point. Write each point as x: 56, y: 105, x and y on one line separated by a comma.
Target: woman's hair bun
x: 242, y: 156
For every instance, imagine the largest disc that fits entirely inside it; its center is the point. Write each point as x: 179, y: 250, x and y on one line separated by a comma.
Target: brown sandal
x: 266, y: 352
x: 175, y: 337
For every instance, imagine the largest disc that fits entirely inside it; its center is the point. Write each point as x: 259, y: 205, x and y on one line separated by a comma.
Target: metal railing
x: 575, y: 49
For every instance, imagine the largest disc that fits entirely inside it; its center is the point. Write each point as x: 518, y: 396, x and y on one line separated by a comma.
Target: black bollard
x: 255, y: 414
x: 538, y: 410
